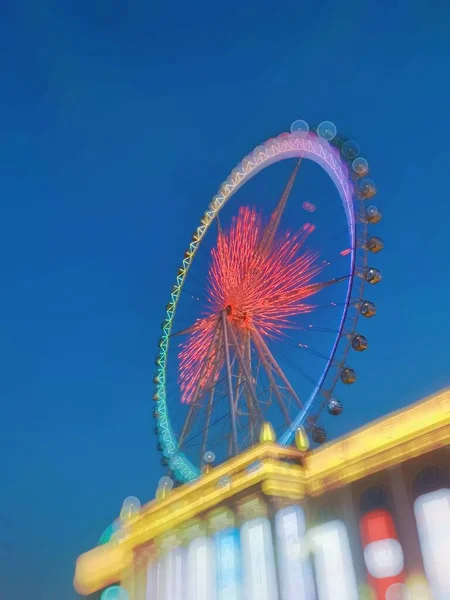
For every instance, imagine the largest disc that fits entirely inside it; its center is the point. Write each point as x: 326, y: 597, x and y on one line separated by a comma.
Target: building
x: 365, y: 516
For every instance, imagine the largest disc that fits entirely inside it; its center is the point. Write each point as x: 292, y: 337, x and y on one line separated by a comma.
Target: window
x: 373, y: 499
x: 429, y: 480
x: 326, y: 513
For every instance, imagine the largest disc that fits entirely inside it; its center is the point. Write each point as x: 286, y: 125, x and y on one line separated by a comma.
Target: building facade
x: 364, y: 517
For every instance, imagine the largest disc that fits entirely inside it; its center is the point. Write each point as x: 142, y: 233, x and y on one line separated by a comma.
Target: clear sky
x: 118, y: 121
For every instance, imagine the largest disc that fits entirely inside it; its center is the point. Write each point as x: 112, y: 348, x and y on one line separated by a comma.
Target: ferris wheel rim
x: 286, y: 145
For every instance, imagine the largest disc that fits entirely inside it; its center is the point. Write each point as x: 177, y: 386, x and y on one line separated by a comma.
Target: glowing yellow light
x: 418, y: 588
x: 301, y: 440
x: 267, y: 433
x: 100, y: 567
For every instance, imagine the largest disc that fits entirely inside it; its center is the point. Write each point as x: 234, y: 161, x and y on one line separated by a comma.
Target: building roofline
x: 277, y: 471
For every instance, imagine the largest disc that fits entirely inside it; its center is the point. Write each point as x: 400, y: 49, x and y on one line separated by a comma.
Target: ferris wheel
x: 246, y: 352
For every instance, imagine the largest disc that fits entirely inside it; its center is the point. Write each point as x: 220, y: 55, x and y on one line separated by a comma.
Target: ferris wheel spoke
x: 188, y: 444
x: 186, y: 331
x: 310, y: 351
x: 194, y: 411
x: 233, y: 437
x: 276, y: 366
x: 253, y: 412
x: 206, y: 364
x: 254, y: 419
x: 207, y: 421
x: 187, y: 424
x: 194, y: 295
x: 292, y: 364
x: 275, y: 389
x: 317, y: 287
x: 272, y: 227
x: 319, y: 329
x: 244, y: 431
x: 243, y: 365
x: 192, y: 419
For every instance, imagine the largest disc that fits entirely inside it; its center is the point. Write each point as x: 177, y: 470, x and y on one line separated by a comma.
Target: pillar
x: 405, y: 521
x: 351, y: 522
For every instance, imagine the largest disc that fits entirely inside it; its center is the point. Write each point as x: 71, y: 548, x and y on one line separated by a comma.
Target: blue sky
x: 118, y: 122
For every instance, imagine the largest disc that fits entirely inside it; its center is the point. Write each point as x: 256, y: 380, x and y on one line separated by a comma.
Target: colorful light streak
x: 260, y: 281
x: 308, y: 207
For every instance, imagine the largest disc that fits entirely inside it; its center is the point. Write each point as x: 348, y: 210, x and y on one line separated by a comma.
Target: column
x: 142, y: 558
x: 351, y: 522
x: 128, y: 582
x: 405, y: 521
